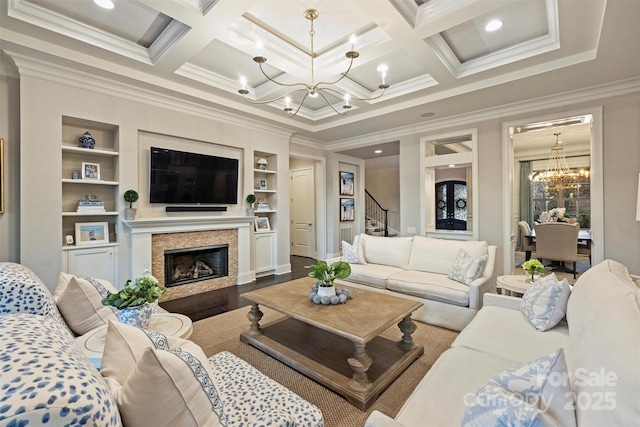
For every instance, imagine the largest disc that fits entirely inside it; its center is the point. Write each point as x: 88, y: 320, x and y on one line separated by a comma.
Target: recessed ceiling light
x: 429, y: 114
x: 378, y: 151
x: 105, y: 4
x: 452, y: 166
x: 493, y: 25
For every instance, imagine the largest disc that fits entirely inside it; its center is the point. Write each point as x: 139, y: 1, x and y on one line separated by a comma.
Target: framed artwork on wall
x: 90, y: 170
x: 92, y: 233
x: 347, y: 210
x: 346, y: 183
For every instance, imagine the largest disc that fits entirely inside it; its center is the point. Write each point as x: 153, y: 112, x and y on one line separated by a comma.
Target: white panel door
x: 303, y: 208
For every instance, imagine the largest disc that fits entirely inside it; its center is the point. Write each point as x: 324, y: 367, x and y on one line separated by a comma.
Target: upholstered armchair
x: 528, y: 243
x: 557, y: 241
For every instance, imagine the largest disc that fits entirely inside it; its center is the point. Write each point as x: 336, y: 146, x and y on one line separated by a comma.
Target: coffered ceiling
x: 441, y: 60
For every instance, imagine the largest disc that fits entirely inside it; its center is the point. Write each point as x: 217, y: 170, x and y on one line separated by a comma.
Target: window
x: 576, y: 201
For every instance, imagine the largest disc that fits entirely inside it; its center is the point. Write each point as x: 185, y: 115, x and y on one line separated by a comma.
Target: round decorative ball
x: 341, y: 296
x: 87, y: 141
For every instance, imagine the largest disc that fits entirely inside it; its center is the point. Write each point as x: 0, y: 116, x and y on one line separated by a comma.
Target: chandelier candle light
x: 558, y: 175
x: 314, y: 89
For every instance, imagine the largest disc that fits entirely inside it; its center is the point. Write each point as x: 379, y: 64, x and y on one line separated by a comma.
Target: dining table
x: 584, y: 235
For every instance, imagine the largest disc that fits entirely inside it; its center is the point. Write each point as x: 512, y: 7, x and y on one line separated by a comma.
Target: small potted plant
x: 251, y: 199
x: 534, y: 269
x: 130, y: 196
x: 134, y: 300
x: 262, y: 164
x: 325, y: 274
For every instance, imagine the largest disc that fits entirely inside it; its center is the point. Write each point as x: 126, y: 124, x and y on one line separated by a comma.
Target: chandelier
x: 314, y: 89
x: 558, y: 176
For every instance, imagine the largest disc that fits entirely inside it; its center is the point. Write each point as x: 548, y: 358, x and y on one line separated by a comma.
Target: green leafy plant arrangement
x: 251, y: 198
x: 326, y: 274
x: 131, y: 196
x: 534, y: 266
x: 142, y: 290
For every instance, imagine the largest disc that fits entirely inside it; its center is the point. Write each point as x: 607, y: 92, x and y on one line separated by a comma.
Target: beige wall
x: 382, y: 180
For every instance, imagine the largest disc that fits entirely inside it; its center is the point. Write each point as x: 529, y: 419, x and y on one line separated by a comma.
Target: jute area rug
x: 222, y: 333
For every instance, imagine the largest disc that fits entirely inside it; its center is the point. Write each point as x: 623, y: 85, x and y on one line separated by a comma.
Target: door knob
x: 310, y: 224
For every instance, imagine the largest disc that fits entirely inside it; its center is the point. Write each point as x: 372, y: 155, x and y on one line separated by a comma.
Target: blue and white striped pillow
x: 545, y: 302
x: 466, y: 268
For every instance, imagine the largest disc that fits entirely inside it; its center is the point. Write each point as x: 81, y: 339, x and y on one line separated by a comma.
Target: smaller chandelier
x: 558, y: 176
x: 314, y: 89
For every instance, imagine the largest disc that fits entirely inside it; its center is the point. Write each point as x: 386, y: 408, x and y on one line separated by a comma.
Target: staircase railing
x: 376, y: 214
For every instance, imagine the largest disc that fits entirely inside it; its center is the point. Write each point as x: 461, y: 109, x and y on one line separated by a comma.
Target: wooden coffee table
x: 336, y: 345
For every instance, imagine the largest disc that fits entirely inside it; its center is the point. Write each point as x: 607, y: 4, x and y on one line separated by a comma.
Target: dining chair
x: 584, y: 248
x: 557, y: 241
x: 528, y: 242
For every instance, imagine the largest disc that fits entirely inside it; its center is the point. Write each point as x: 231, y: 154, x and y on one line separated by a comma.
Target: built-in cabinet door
x: 265, y: 252
x: 93, y: 262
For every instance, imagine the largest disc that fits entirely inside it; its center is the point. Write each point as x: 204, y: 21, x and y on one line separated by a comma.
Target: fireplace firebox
x: 183, y: 266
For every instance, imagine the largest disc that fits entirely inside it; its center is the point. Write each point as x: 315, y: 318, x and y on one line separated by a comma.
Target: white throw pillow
x: 354, y: 254
x: 158, y: 380
x: 535, y: 394
x: 80, y: 303
x: 466, y: 268
x: 545, y: 302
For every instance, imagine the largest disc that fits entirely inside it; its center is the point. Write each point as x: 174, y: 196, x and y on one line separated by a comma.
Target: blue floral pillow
x: 535, y: 394
x: 354, y: 254
x: 545, y: 302
x: 466, y: 268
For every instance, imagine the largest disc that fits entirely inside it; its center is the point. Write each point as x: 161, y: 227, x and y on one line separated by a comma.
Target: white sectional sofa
x: 417, y: 268
x: 600, y: 337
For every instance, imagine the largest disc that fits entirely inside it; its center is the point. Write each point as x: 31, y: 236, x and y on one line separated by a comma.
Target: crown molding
x: 57, y: 23
x: 599, y: 92
x: 38, y: 68
x: 174, y: 32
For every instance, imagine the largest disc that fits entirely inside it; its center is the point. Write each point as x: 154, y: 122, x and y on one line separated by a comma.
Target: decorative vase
x: 136, y: 316
x: 87, y: 141
x: 532, y: 276
x: 326, y: 291
x: 130, y: 213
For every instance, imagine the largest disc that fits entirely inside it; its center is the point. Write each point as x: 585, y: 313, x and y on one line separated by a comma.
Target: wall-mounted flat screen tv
x: 179, y: 177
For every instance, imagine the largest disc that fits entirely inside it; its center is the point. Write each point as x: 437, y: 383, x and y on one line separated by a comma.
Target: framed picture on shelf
x: 346, y: 183
x: 347, y: 210
x: 90, y: 170
x: 262, y: 224
x: 92, y: 233
x: 262, y: 184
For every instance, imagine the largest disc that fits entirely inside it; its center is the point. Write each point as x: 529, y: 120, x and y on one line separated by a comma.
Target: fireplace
x: 188, y: 265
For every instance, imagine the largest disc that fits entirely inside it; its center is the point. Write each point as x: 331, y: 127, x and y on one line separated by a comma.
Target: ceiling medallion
x: 314, y: 89
x: 558, y: 176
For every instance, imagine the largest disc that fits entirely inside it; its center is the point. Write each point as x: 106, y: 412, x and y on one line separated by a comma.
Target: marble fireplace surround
x: 143, y: 230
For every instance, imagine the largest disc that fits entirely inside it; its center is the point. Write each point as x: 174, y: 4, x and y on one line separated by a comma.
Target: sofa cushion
x: 374, y: 275
x: 537, y: 393
x: 81, y: 304
x: 354, y: 253
x: 597, y: 288
x: 159, y: 381
x: 21, y: 291
x: 430, y: 286
x: 442, y: 396
x: 438, y: 255
x: 545, y: 302
x: 391, y: 251
x: 46, y: 380
x: 466, y: 268
x: 606, y: 364
x: 508, y: 334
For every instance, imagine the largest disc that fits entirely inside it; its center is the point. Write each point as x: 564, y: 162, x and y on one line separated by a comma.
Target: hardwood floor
x: 201, y: 306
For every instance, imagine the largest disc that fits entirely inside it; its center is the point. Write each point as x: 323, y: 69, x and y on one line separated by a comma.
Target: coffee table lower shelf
x: 322, y: 356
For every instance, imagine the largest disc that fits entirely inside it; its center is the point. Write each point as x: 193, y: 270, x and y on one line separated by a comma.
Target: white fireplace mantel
x: 142, y: 229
